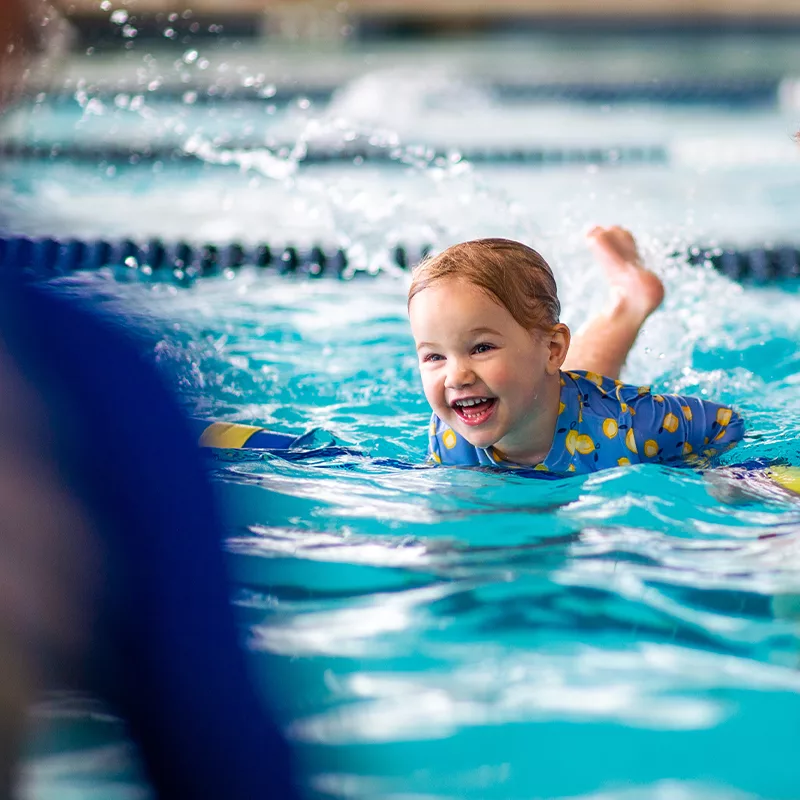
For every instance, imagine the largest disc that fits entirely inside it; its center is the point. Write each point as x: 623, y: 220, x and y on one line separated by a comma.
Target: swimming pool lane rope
x: 184, y: 261
x: 731, y: 92
x: 354, y: 152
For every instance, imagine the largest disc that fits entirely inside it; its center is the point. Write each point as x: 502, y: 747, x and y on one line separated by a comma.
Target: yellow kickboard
x: 227, y: 435
x: 787, y: 477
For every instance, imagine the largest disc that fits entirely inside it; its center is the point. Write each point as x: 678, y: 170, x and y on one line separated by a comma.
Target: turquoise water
x: 452, y: 633
x: 443, y: 634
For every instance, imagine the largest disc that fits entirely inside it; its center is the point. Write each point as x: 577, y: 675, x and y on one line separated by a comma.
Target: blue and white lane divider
x: 347, y: 153
x: 726, y: 92
x: 723, y: 150
x: 184, y: 261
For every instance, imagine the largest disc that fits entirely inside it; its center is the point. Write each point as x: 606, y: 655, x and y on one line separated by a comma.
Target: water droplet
x: 190, y: 98
x: 190, y: 56
x: 169, y: 33
x: 120, y: 16
x: 105, y: 5
x: 94, y: 106
x: 129, y: 32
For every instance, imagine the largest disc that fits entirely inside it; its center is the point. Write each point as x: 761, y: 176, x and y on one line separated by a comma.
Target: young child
x: 505, y: 387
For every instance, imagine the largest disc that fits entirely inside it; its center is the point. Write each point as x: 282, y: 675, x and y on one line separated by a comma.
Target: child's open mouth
x: 475, y: 410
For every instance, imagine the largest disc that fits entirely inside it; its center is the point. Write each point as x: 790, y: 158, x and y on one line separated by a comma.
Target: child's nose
x: 459, y: 375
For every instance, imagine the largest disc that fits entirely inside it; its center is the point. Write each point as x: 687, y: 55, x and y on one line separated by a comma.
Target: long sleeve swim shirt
x: 604, y: 423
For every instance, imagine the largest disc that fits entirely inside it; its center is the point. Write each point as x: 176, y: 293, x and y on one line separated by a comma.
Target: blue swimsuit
x: 604, y: 423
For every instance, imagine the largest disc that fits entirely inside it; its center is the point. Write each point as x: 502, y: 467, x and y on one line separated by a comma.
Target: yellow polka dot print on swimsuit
x: 584, y: 444
x: 596, y: 379
x: 571, y: 441
x: 670, y: 423
x: 600, y: 424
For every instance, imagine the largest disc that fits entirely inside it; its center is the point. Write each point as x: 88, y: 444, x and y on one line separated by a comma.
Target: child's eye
x: 483, y: 347
x: 432, y: 357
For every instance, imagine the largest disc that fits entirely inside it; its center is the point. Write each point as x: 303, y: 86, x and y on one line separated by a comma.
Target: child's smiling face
x: 483, y: 374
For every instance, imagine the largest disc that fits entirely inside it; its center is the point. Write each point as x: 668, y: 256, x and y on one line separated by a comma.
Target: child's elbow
x: 733, y: 432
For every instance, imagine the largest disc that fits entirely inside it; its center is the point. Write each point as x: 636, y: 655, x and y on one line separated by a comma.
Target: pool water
x: 435, y: 633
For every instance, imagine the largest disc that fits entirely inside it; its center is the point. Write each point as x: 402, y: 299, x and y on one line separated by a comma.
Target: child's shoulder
x: 592, y: 383
x: 601, y: 396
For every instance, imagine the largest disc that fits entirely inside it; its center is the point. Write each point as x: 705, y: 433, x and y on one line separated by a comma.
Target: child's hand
x: 615, y: 245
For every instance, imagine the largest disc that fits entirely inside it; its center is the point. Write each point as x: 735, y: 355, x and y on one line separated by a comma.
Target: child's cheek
x: 500, y: 375
x: 432, y: 388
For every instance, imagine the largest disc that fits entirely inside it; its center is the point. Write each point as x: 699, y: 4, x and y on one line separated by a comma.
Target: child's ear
x: 558, y: 340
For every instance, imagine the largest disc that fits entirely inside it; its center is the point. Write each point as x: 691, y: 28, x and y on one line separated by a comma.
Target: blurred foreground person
x: 112, y: 577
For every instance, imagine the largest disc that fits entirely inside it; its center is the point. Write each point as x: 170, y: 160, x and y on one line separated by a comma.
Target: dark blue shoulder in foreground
x: 165, y: 651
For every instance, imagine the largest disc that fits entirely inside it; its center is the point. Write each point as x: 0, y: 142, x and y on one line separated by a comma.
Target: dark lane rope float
x: 132, y: 154
x: 184, y: 261
x: 729, y: 92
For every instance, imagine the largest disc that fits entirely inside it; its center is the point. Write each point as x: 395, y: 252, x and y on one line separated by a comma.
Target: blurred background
x: 288, y: 91
x: 337, y: 19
